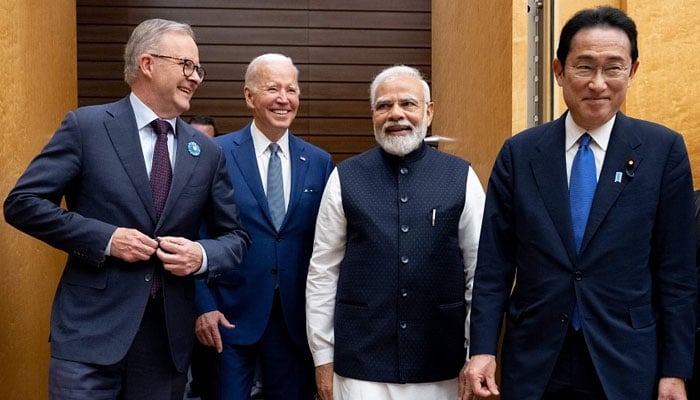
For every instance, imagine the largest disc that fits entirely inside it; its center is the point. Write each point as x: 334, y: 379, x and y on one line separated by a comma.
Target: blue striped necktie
x: 275, y: 187
x: 582, y: 185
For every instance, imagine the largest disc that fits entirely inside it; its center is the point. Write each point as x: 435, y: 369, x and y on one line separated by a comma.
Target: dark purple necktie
x: 161, y: 171
x: 161, y: 177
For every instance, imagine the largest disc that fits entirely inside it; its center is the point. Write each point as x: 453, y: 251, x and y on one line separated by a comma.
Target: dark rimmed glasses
x: 188, y: 66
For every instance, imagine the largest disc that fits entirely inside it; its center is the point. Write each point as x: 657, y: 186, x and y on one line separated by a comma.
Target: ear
x: 558, y: 69
x: 429, y: 113
x: 633, y: 72
x: 248, y: 93
x: 146, y: 65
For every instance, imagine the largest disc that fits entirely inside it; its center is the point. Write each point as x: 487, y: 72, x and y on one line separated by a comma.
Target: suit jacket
x: 95, y: 160
x: 245, y: 296
x: 634, y: 278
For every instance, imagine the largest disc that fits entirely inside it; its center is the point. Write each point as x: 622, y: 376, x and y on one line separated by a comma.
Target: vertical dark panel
x: 338, y: 46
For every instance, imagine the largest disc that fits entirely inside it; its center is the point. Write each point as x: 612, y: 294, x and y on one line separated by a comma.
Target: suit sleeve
x: 34, y: 205
x: 673, y: 265
x: 495, y: 267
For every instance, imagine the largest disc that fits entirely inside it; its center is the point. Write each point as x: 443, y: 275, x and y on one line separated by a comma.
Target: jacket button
x: 148, y: 277
x: 564, y: 318
x: 403, y: 171
x: 404, y: 228
x: 403, y: 324
x: 404, y: 259
x: 578, y: 275
x: 404, y: 199
x: 404, y: 293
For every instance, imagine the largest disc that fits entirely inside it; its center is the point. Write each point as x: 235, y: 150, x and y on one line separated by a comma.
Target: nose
x: 598, y: 80
x: 195, y: 77
x: 396, y: 112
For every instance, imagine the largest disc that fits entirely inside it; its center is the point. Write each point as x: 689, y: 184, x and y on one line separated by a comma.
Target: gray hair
x: 393, y: 72
x: 146, y: 38
x: 251, y: 73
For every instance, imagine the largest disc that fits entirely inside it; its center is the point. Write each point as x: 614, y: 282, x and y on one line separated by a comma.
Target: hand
x: 324, y: 381
x: 672, y: 389
x: 180, y: 256
x: 481, y: 375
x: 131, y: 245
x: 207, y: 329
x: 465, y: 391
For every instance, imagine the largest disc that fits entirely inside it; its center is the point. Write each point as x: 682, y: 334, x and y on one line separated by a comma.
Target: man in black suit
x: 604, y: 300
x: 137, y: 183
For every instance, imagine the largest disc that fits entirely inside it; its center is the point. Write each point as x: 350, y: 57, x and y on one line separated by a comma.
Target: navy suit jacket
x: 95, y: 161
x: 634, y: 279
x: 245, y: 296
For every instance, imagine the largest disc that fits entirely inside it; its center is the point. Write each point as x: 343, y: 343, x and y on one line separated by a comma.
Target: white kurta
x: 322, y: 281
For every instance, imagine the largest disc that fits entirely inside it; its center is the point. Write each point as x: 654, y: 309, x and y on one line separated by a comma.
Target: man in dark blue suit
x: 122, y: 324
x: 607, y: 313
x: 265, y: 299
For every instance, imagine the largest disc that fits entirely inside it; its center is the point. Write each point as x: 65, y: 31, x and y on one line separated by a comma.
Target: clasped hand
x: 180, y: 256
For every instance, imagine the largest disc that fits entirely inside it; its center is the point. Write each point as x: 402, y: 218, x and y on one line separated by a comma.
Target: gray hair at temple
x: 146, y: 38
x: 251, y: 73
x: 393, y: 72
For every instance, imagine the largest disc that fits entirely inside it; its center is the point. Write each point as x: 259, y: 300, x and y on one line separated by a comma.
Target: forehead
x: 600, y: 42
x: 277, y: 72
x: 398, y: 87
x: 179, y: 44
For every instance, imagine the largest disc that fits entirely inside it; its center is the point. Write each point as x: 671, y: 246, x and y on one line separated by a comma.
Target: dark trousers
x: 574, y: 376
x: 146, y: 372
x: 288, y: 372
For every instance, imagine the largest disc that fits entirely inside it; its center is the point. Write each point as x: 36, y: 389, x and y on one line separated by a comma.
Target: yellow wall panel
x: 38, y: 50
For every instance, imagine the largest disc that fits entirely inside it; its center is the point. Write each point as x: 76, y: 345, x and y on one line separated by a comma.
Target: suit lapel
x: 243, y: 152
x: 299, y: 165
x: 621, y: 148
x: 124, y: 134
x: 549, y: 169
x: 185, y: 163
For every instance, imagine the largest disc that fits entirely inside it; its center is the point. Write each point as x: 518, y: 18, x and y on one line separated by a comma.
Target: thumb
x: 225, y: 323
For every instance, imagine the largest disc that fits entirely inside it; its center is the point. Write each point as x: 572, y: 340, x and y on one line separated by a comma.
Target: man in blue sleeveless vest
x: 389, y: 285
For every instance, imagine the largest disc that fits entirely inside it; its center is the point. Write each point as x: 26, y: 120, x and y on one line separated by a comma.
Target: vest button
x: 148, y: 277
x: 404, y: 293
x: 404, y: 228
x: 404, y: 171
x: 578, y: 275
x: 403, y: 324
x: 404, y: 259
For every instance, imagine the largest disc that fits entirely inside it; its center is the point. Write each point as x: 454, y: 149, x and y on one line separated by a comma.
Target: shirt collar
x: 144, y: 115
x: 600, y: 135
x: 260, y: 141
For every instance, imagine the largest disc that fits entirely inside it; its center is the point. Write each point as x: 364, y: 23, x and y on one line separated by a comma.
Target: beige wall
x: 38, y: 53
x: 666, y: 88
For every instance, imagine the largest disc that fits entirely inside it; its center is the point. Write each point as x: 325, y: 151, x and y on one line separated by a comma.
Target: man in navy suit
x: 613, y: 316
x: 122, y: 324
x: 265, y: 299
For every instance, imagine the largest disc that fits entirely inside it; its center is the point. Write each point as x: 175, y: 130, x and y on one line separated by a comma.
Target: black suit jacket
x: 634, y: 279
x: 95, y: 162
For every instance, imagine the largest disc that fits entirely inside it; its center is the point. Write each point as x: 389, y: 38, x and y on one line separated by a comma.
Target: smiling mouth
x: 280, y: 112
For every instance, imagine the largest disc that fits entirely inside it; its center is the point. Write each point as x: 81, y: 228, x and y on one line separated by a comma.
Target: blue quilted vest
x: 400, y: 307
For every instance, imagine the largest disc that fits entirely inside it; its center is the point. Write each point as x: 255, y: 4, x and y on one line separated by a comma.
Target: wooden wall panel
x: 337, y: 45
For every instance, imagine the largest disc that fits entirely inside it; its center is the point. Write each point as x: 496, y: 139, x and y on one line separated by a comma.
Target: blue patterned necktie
x: 582, y: 185
x: 275, y: 187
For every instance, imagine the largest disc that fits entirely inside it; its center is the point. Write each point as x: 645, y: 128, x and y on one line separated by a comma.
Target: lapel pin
x: 629, y: 168
x: 618, y: 177
x: 194, y: 149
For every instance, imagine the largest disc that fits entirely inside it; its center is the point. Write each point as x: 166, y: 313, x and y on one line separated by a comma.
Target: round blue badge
x: 194, y: 148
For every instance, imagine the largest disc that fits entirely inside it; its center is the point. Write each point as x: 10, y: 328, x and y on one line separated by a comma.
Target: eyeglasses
x: 613, y: 71
x: 188, y: 66
x: 383, y: 107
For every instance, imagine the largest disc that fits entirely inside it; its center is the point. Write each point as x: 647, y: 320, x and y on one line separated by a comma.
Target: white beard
x: 401, y: 145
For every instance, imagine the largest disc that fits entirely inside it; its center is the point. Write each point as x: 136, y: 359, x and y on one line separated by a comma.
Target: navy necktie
x: 582, y: 185
x: 275, y: 187
x: 161, y: 170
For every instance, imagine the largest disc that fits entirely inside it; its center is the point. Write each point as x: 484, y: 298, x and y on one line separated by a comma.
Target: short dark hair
x: 600, y: 16
x: 204, y: 120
